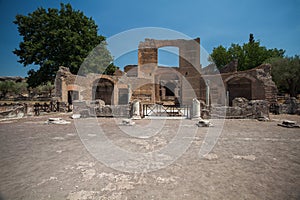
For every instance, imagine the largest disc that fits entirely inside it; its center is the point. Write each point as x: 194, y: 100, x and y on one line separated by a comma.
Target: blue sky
x: 276, y: 23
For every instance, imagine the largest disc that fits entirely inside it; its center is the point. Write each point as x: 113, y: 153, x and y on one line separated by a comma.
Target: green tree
x: 236, y: 52
x: 53, y: 38
x: 16, y: 88
x: 286, y: 74
x: 46, y: 88
x: 20, y: 88
x: 34, y: 91
x: 220, y: 56
x: 6, y: 87
x: 110, y: 70
x: 249, y: 55
x: 98, y: 61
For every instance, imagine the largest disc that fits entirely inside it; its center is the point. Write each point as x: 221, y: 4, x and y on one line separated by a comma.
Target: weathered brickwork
x: 151, y: 83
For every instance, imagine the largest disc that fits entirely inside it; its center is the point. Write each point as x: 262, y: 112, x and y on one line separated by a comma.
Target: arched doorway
x: 72, y: 95
x: 239, y: 87
x: 103, y: 89
x: 169, y: 90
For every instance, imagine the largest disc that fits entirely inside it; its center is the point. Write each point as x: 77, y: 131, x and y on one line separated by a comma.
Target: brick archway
x: 239, y: 87
x: 103, y: 89
x: 189, y: 55
x: 189, y: 63
x: 168, y: 86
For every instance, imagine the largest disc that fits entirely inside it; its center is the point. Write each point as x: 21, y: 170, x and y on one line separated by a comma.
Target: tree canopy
x: 53, y: 38
x: 249, y: 55
x: 9, y: 86
x: 286, y: 74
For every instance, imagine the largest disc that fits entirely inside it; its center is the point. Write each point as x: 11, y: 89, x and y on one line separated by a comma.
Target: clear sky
x: 276, y: 23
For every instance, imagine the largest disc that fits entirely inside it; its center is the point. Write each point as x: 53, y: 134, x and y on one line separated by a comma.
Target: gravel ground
x: 251, y: 160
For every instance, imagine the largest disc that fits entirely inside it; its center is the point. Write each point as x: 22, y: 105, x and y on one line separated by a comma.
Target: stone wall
x: 14, y: 110
x: 259, y: 83
x: 189, y: 63
x: 147, y: 81
x: 230, y: 67
x: 290, y: 106
x: 65, y: 82
x: 242, y: 109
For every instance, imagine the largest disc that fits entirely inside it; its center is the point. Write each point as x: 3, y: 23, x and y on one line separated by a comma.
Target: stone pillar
x: 227, y: 98
x: 136, y: 110
x: 196, y: 113
x: 147, y: 61
x: 64, y: 90
x: 129, y: 93
x: 207, y: 93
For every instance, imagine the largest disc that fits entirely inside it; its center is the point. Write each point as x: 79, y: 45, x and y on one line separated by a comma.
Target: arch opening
x: 239, y: 87
x: 170, y: 89
x: 72, y: 95
x: 168, y: 56
x: 103, y: 90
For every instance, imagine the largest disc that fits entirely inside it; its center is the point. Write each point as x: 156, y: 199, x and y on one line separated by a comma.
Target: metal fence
x: 166, y: 110
x: 51, y: 107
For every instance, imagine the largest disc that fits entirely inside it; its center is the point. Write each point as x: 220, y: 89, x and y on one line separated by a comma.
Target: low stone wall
x: 8, y: 111
x: 290, y: 106
x: 242, y: 109
x: 19, y: 110
x: 99, y: 109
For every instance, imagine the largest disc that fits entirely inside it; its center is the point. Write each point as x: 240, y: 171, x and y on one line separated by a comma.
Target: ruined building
x: 153, y: 84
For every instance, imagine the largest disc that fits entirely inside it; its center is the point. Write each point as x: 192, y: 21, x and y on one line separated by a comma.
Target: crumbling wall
x: 142, y: 82
x: 290, y: 106
x: 98, y: 108
x: 260, y: 81
x: 242, y: 109
x: 66, y: 81
x: 16, y: 110
x: 63, y: 78
x: 230, y: 67
x: 189, y: 63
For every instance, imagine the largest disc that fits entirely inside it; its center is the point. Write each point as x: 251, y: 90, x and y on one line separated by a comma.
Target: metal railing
x: 166, y: 110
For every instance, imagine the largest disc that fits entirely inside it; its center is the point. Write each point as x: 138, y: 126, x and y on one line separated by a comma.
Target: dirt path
x: 251, y: 160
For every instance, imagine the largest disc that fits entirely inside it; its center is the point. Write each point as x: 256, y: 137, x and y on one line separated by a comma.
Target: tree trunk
x: 292, y: 89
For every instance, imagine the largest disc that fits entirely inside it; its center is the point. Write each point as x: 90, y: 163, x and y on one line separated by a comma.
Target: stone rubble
x: 204, y: 123
x: 75, y: 116
x: 56, y: 121
x: 242, y: 109
x: 211, y: 156
x: 289, y: 124
x: 290, y: 106
x: 248, y: 157
x: 127, y: 122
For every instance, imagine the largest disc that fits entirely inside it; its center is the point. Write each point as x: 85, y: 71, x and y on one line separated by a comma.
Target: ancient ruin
x: 151, y: 84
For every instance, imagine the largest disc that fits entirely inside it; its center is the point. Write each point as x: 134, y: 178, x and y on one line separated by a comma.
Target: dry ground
x: 251, y: 160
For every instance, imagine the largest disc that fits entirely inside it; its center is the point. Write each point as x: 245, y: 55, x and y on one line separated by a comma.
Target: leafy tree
x: 46, y: 88
x: 34, y: 91
x: 110, y: 70
x: 53, y: 38
x: 20, y: 88
x: 249, y: 55
x: 286, y: 74
x: 98, y: 61
x: 12, y: 87
x: 6, y: 87
x: 251, y: 38
x: 220, y: 56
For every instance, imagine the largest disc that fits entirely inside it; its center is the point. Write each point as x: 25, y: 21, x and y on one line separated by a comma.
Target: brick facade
x: 151, y: 83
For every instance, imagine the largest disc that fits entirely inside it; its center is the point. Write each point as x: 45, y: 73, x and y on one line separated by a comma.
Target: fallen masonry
x: 289, y: 124
x: 204, y: 123
x: 56, y: 121
x: 128, y: 122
